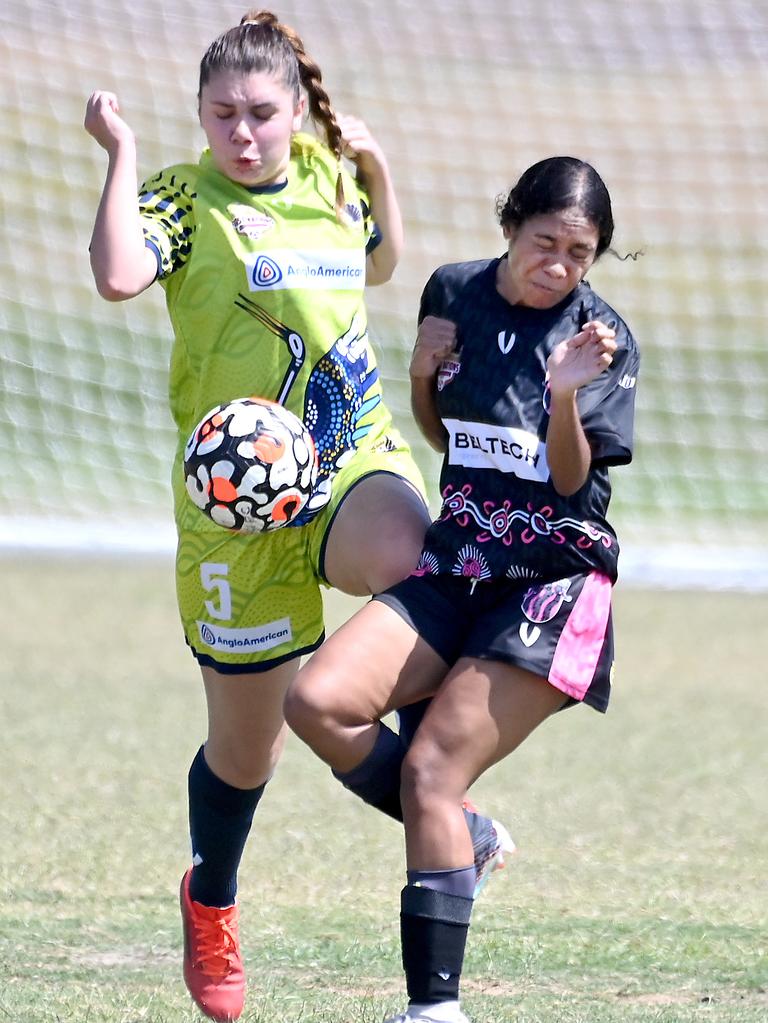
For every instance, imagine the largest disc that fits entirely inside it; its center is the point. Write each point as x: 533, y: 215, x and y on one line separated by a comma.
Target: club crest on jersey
x: 449, y: 368
x: 541, y: 603
x: 249, y: 222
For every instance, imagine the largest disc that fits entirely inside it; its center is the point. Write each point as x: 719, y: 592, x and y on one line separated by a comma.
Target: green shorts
x: 248, y: 602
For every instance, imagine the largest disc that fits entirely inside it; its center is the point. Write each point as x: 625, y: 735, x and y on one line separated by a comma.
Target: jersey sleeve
x: 373, y: 235
x: 371, y: 230
x: 607, y: 405
x: 166, y: 209
x: 432, y: 297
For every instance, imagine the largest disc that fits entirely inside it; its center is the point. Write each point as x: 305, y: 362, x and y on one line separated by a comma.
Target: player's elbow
x: 437, y: 441
x: 567, y: 484
x: 118, y: 279
x: 378, y: 275
x: 381, y: 263
x: 567, y: 490
x: 116, y: 288
x: 112, y: 292
x: 433, y: 431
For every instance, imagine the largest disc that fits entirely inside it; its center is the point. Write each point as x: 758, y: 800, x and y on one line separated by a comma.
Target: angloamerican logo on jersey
x: 316, y: 270
x: 504, y: 448
x: 265, y: 273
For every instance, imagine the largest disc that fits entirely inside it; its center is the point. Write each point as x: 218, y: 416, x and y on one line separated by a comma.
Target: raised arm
x: 435, y: 342
x: 374, y: 176
x: 122, y: 265
x: 573, y: 364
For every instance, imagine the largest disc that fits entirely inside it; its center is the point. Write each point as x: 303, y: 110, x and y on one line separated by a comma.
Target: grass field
x: 639, y: 892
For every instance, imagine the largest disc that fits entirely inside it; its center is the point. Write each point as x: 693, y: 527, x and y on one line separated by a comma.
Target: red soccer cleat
x: 213, y: 967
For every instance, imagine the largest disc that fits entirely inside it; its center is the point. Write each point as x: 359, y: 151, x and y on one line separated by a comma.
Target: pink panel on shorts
x: 578, y: 650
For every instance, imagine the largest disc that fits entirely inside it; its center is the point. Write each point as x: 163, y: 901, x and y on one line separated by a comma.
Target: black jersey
x: 501, y: 516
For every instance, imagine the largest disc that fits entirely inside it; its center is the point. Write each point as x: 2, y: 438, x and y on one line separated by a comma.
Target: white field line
x: 670, y: 566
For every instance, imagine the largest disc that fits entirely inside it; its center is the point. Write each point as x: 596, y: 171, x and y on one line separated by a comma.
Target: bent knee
x: 424, y: 776
x: 311, y: 705
x: 244, y: 765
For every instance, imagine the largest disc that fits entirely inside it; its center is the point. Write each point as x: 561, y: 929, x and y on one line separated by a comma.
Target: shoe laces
x: 216, y: 946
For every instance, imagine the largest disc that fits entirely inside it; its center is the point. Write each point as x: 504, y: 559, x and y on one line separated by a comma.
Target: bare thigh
x: 482, y: 712
x: 246, y: 727
x: 377, y: 535
x: 373, y: 664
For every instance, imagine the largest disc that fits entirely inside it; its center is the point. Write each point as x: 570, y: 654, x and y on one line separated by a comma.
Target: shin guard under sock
x: 220, y: 818
x: 377, y: 779
x: 409, y: 719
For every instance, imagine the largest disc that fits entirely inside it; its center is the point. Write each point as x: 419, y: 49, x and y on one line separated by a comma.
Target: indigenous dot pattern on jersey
x: 250, y: 465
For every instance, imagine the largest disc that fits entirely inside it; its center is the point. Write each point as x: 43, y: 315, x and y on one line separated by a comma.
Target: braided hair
x: 261, y: 43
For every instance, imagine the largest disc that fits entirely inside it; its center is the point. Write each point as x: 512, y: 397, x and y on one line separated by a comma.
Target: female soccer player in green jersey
x: 263, y: 249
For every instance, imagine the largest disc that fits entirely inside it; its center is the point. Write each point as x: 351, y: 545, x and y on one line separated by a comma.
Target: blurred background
x: 667, y: 99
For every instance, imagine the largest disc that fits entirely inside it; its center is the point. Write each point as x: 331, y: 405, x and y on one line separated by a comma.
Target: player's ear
x: 299, y: 113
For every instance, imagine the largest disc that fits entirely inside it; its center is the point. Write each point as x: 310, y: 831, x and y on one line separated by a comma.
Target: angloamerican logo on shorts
x: 310, y: 270
x: 245, y: 641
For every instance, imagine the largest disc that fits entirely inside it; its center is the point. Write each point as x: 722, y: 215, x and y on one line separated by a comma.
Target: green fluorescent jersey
x: 264, y: 288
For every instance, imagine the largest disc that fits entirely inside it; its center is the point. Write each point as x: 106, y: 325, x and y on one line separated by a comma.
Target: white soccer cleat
x: 493, y: 858
x: 424, y: 1016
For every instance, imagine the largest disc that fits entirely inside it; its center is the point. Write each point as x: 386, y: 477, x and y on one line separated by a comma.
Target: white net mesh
x: 668, y: 100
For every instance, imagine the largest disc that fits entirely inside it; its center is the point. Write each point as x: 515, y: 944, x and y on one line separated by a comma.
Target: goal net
x: 667, y: 99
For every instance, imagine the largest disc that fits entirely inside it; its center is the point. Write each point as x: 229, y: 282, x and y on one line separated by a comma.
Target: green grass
x: 639, y: 892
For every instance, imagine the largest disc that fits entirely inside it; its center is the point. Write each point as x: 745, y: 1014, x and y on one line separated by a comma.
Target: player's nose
x: 557, y: 270
x: 241, y: 131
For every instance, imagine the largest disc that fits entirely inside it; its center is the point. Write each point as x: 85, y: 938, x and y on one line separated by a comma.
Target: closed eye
x: 261, y: 113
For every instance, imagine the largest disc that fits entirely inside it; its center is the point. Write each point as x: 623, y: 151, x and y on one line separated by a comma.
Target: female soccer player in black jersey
x: 525, y: 379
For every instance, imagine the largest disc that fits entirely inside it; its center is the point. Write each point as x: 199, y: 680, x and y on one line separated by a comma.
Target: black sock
x: 377, y: 779
x: 409, y: 719
x: 433, y: 934
x: 220, y: 817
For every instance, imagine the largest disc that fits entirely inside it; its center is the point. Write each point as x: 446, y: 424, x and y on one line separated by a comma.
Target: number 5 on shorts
x: 213, y: 576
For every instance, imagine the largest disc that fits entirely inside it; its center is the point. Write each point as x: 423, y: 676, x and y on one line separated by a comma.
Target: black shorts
x: 561, y: 630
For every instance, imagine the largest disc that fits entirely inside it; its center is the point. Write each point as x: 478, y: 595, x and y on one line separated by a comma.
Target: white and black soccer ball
x: 250, y: 465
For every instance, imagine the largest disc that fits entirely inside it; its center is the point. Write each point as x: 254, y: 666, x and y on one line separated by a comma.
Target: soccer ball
x: 250, y: 465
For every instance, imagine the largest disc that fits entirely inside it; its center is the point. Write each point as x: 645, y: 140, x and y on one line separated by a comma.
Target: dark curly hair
x: 555, y: 184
